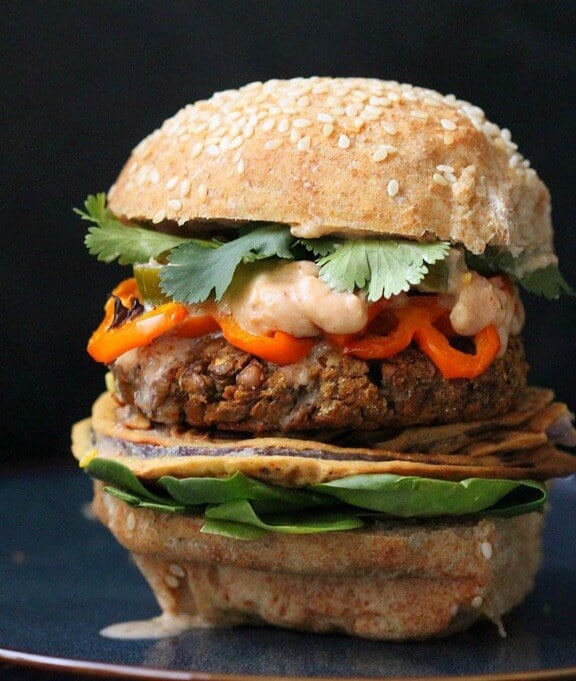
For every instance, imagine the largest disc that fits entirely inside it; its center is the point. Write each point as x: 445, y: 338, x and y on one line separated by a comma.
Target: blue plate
x: 63, y: 578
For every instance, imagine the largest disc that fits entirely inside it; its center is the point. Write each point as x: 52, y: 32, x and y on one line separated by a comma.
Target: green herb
x: 193, y: 272
x: 322, y: 246
x: 241, y: 511
x: 244, y: 508
x: 383, y: 268
x: 412, y: 496
x: 546, y: 281
x: 109, y: 239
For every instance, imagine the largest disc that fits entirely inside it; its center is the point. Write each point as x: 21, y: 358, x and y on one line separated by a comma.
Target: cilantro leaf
x: 109, y: 239
x: 545, y: 281
x: 384, y: 268
x: 548, y: 282
x: 193, y: 272
x: 322, y: 246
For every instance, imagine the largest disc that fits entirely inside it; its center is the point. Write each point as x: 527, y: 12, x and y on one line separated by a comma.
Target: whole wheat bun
x: 352, y: 156
x: 396, y: 581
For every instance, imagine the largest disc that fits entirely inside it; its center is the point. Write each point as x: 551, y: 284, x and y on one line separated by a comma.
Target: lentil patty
x: 207, y: 383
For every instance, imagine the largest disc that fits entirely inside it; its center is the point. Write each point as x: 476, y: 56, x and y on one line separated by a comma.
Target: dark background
x: 83, y: 82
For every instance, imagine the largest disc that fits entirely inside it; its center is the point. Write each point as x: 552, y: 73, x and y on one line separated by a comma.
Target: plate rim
x: 121, y: 671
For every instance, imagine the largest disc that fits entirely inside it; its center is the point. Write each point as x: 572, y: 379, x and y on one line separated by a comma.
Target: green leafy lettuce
x: 244, y: 508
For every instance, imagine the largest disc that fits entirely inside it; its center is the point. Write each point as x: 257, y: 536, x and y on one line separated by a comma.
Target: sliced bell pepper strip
x: 453, y: 363
x: 416, y: 322
x: 197, y: 325
x: 106, y: 344
x: 418, y: 312
x: 280, y: 348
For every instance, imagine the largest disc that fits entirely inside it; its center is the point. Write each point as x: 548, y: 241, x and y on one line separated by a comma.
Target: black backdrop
x: 83, y: 82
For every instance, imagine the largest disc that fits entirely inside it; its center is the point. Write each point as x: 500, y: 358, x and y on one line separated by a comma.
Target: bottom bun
x: 397, y: 580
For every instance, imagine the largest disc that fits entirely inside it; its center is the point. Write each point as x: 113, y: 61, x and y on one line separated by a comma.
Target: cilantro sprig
x: 545, y: 281
x: 384, y: 268
x: 109, y: 239
x: 193, y: 273
x: 195, y: 269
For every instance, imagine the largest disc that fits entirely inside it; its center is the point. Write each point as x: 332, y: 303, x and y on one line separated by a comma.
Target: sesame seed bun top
x: 352, y: 156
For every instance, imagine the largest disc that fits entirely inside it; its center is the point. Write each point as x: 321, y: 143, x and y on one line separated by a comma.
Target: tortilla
x: 513, y: 446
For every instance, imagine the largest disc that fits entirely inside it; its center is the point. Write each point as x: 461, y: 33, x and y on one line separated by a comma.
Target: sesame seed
x: 196, y: 150
x: 174, y: 204
x: 214, y: 124
x: 440, y: 179
x: 419, y: 114
x: 159, y: 216
x: 213, y: 150
x: 303, y: 101
x: 325, y: 118
x: 327, y: 129
x: 284, y: 125
x: 477, y: 602
x: 130, y: 521
x: 273, y: 143
x: 236, y: 142
x: 176, y: 570
x: 172, y: 581
x: 172, y: 182
x: 390, y: 127
x: 154, y: 176
x: 447, y: 124
x: 301, y: 123
x: 240, y: 166
x: 448, y: 138
x: 444, y: 169
x: 351, y: 110
x: 377, y: 101
x: 486, y: 548
x: 343, y: 141
x: 392, y: 188
x: 248, y: 131
x: 268, y: 124
x: 185, y: 188
x: 380, y: 154
x: 450, y: 177
x: 202, y: 190
x: 295, y: 135
x: 303, y: 144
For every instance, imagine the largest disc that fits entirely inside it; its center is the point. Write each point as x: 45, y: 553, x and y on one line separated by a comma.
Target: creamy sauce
x: 481, y: 302
x: 163, y: 626
x: 290, y: 297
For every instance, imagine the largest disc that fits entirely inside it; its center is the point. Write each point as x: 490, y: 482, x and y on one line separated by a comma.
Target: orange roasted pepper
x: 280, y: 348
x: 423, y: 320
x: 417, y: 322
x: 106, y: 344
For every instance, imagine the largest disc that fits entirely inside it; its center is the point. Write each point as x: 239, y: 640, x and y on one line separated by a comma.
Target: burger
x: 317, y: 413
